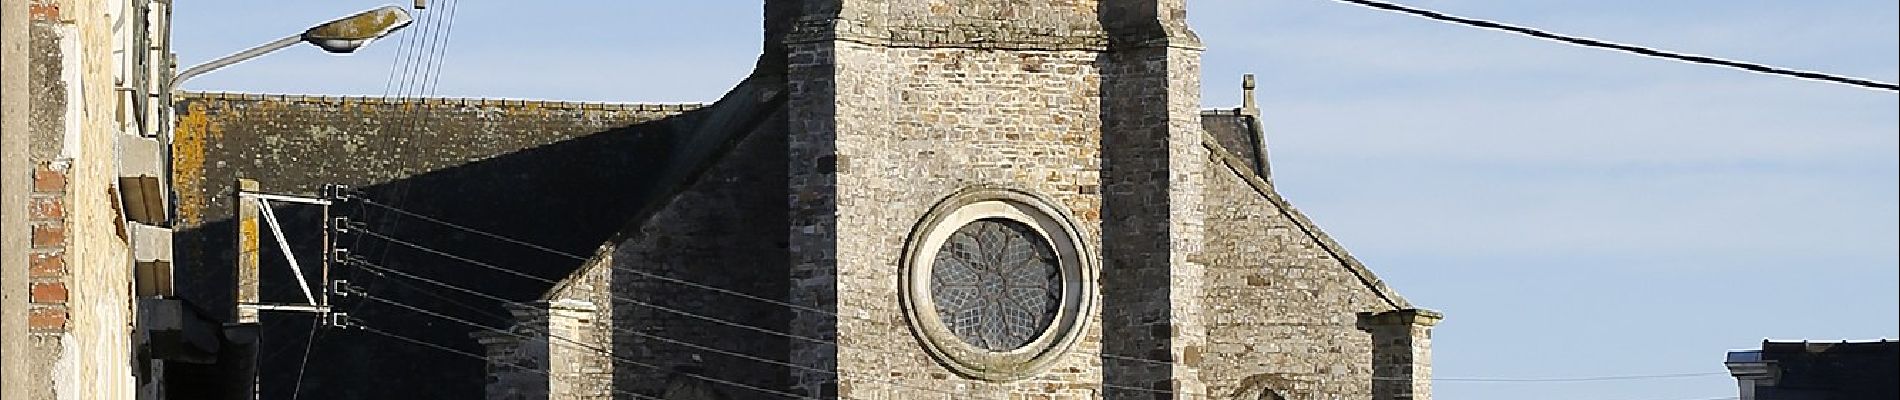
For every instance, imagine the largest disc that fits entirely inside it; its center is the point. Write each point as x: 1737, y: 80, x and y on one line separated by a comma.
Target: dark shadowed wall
x: 562, y: 175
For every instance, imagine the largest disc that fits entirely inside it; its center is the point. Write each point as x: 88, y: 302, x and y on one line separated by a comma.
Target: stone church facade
x: 930, y: 199
x: 907, y: 199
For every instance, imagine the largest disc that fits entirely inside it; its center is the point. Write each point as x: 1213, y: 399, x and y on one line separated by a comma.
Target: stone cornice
x: 998, y: 35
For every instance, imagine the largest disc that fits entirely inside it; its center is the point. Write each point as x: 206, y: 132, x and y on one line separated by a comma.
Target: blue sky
x: 1575, y: 212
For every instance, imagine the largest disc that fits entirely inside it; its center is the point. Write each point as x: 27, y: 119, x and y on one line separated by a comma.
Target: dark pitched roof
x: 1833, y: 371
x: 1239, y: 133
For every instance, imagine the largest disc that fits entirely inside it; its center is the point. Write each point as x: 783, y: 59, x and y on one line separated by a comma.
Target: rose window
x: 997, y: 284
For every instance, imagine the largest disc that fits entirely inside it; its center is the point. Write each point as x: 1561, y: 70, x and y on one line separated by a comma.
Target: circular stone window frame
x: 1076, y: 265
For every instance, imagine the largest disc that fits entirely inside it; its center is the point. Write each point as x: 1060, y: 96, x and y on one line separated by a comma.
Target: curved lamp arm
x: 235, y: 58
x: 343, y: 35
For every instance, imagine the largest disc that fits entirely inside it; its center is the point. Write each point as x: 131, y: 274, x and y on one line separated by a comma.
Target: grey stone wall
x: 812, y: 117
x: 1401, y: 352
x: 1151, y: 285
x: 725, y: 231
x: 1282, y: 300
x: 897, y: 104
x: 917, y: 125
x: 1212, y: 286
x: 558, y: 174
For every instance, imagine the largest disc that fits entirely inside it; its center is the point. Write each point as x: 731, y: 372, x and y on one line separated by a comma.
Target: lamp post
x: 340, y: 36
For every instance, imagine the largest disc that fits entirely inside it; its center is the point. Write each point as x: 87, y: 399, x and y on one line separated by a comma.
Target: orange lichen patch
x: 188, y: 161
x: 363, y: 26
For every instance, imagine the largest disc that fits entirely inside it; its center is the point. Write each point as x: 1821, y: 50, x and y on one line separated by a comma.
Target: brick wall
x: 47, y: 265
x: 47, y: 215
x: 78, y: 265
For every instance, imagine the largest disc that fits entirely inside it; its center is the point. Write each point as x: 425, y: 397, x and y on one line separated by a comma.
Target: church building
x: 974, y: 200
x: 906, y: 199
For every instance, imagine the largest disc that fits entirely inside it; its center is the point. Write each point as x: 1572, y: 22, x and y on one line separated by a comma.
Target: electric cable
x: 652, y: 306
x: 419, y: 342
x: 1628, y: 48
x: 296, y: 390
x: 578, y: 257
x: 571, y: 342
x: 669, y: 279
x: 472, y: 308
x: 451, y: 256
x: 820, y: 341
x: 441, y: 50
x: 647, y: 335
x: 661, y: 277
x: 1580, y: 379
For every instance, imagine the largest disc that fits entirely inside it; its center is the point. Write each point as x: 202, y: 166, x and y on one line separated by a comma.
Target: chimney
x: 1401, y: 352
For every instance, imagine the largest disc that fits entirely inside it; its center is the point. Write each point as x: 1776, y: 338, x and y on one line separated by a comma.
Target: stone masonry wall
x: 1281, y: 303
x: 562, y: 175
x: 1153, y: 221
x: 916, y: 125
x: 79, y: 265
x: 1021, y: 25
x: 724, y: 231
x: 897, y: 104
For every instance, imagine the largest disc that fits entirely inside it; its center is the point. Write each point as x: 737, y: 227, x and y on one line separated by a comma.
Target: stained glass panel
x: 996, y: 284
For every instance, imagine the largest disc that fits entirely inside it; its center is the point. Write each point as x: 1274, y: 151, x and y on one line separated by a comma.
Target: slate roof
x: 1239, y: 133
x: 1832, y: 371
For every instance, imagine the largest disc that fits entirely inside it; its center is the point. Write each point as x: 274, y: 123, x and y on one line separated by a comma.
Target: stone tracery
x: 996, y: 284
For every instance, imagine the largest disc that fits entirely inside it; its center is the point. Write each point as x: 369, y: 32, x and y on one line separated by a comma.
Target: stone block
x: 151, y: 243
x: 141, y: 173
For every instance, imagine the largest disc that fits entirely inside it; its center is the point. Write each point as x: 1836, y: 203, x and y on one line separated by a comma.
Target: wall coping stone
x: 443, y: 101
x: 1306, y: 225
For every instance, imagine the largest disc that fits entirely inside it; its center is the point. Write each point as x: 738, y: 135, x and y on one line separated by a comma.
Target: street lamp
x: 340, y: 36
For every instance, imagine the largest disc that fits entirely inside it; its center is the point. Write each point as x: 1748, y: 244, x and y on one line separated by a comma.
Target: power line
x: 632, y: 271
x: 452, y: 256
x: 1581, y: 379
x: 648, y: 335
x: 578, y: 257
x: 431, y: 72
x: 297, y: 389
x: 437, y: 221
x: 1628, y: 48
x: 419, y: 52
x: 442, y: 49
x: 418, y: 342
x: 814, y: 340
x: 386, y: 270
x: 396, y: 63
x: 571, y: 342
x: 662, y: 308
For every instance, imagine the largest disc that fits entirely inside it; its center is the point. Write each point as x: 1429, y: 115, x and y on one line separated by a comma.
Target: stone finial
x: 1247, y: 104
